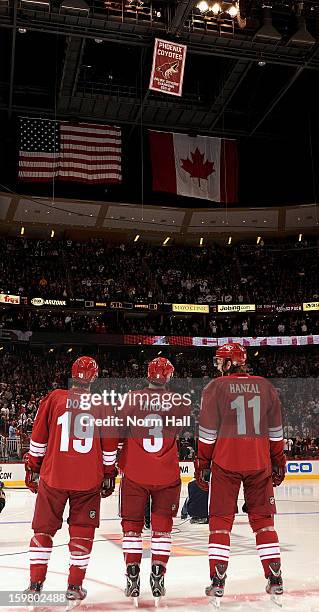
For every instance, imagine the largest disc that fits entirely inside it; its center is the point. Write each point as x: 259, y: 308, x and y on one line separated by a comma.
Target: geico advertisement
x: 302, y: 467
x: 12, y: 474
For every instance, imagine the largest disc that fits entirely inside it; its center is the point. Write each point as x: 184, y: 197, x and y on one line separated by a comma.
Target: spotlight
x: 233, y: 11
x: 202, y: 6
x: 216, y: 8
x: 136, y: 237
x: 166, y: 240
x: 302, y: 36
x: 261, y: 63
x: 98, y: 41
x: 267, y: 30
x: 70, y: 350
x: 22, y: 231
x: 1, y: 348
x: 258, y: 239
x: 300, y: 238
x: 229, y: 240
x: 22, y: 30
x: 51, y: 350
x: 201, y: 241
x: 158, y: 14
x: 52, y: 233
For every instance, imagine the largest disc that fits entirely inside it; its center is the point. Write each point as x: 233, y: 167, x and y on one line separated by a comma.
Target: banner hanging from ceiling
x: 168, y: 67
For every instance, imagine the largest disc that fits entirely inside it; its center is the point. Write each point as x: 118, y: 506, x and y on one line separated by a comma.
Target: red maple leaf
x: 196, y: 167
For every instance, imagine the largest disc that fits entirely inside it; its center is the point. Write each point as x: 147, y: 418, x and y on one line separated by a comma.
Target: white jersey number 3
x: 83, y: 430
x: 155, y: 430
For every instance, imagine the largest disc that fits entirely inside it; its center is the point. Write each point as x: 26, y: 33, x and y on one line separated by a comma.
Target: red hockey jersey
x: 150, y: 453
x: 240, y: 425
x: 75, y: 452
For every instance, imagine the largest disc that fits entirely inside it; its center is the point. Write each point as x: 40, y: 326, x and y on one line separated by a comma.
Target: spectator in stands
x: 12, y: 430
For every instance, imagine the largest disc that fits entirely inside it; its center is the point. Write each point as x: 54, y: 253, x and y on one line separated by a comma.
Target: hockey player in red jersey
x: 76, y: 464
x: 150, y: 466
x: 240, y: 441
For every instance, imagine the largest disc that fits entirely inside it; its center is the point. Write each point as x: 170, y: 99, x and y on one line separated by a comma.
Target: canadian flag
x: 197, y: 167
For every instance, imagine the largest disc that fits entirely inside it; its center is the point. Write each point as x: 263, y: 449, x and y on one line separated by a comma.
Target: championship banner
x: 310, y: 306
x: 168, y: 67
x: 236, y: 307
x: 201, y: 308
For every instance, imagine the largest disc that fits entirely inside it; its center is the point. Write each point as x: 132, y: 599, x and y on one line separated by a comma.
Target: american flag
x: 83, y: 152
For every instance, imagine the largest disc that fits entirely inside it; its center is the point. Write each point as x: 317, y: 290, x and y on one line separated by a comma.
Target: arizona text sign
x: 168, y: 67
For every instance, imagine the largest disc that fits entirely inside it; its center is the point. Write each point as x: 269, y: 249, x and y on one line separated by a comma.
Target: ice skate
x: 75, y: 595
x: 216, y: 588
x: 274, y: 585
x: 34, y: 588
x: 157, y: 583
x: 133, y: 583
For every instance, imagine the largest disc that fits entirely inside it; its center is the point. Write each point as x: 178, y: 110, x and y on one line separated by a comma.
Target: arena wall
x: 12, y: 474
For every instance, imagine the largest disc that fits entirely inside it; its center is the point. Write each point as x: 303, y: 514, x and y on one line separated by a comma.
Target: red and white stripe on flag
x: 197, y: 167
x: 83, y: 152
x: 90, y: 153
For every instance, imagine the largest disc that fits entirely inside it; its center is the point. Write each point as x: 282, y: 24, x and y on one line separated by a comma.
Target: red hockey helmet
x: 85, y: 370
x: 160, y: 370
x: 233, y: 351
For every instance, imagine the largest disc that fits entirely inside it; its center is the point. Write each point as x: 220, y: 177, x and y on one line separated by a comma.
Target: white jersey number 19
x: 83, y: 430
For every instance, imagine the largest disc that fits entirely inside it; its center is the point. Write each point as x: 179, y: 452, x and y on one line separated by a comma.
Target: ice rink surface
x: 297, y: 523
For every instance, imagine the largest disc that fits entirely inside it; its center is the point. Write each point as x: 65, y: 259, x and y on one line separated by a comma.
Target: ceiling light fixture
x: 233, y: 10
x: 216, y: 8
x: 202, y: 6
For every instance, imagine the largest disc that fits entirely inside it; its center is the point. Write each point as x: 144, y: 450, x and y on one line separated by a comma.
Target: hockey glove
x: 202, y: 474
x: 108, y: 484
x: 2, y: 497
x: 278, y: 473
x: 31, y: 473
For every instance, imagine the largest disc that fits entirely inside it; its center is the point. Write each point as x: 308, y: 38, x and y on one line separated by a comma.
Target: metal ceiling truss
x: 128, y: 107
x: 71, y: 68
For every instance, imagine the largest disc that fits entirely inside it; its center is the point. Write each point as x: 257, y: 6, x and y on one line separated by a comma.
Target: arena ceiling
x: 91, y: 59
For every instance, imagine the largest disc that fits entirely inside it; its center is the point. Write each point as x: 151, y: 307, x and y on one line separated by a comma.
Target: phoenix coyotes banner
x: 197, y: 167
x: 168, y: 67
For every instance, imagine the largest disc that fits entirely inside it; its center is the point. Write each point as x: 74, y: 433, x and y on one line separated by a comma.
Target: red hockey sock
x: 218, y: 549
x: 132, y: 547
x: 161, y: 547
x: 40, y: 551
x: 268, y: 548
x: 80, y: 546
